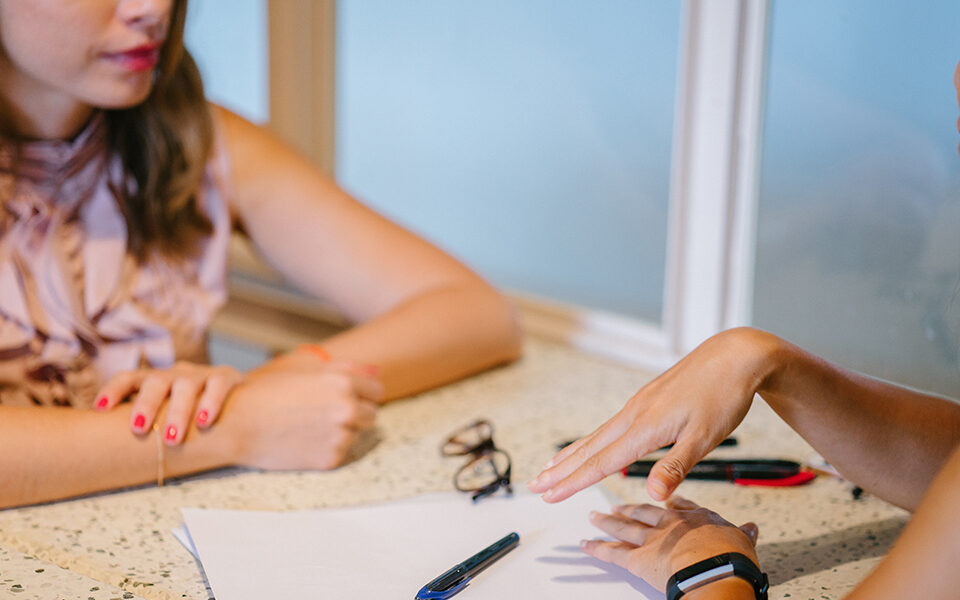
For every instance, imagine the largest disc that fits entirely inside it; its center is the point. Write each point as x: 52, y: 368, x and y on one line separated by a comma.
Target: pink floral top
x: 75, y: 308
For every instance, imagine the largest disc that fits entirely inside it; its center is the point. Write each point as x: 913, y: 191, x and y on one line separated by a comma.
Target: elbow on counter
x: 501, y: 327
x: 512, y: 342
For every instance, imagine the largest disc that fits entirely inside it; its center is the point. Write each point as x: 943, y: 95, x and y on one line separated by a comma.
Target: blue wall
x: 229, y: 42
x: 532, y: 139
x: 858, y: 255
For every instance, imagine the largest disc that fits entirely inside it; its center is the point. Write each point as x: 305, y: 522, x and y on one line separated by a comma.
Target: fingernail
x: 583, y: 544
x: 549, y: 495
x: 657, y: 489
x: 548, y: 464
x: 533, y: 483
x: 202, y: 417
x: 102, y: 402
x: 594, y: 514
x: 371, y: 370
x: 171, y: 433
x: 139, y: 421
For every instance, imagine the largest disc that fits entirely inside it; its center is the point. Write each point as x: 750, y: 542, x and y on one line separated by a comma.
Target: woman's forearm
x: 888, y: 439
x: 434, y: 338
x: 283, y: 419
x: 54, y: 453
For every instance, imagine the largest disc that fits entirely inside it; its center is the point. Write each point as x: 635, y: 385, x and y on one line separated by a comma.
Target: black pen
x: 457, y: 577
x: 745, y: 471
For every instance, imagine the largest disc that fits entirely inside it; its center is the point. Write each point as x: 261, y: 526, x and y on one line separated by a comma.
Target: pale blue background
x: 228, y: 39
x: 858, y: 256
x: 531, y: 139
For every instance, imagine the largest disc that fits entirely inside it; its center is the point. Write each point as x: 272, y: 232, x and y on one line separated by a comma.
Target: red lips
x: 141, y: 58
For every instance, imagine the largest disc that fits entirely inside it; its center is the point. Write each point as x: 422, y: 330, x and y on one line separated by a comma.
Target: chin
x: 123, y: 95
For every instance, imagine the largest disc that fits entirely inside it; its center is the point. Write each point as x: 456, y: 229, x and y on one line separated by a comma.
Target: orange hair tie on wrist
x: 316, y: 350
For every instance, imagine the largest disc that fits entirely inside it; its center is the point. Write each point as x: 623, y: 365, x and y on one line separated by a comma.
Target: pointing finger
x: 637, y: 441
x: 573, y: 456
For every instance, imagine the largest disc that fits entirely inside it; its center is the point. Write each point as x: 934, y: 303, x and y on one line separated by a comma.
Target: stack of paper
x: 392, y: 550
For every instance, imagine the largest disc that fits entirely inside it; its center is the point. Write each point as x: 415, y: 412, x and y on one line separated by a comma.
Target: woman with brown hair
x: 120, y: 187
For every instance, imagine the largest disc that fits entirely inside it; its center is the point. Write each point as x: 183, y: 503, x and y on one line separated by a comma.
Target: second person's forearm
x: 888, y: 439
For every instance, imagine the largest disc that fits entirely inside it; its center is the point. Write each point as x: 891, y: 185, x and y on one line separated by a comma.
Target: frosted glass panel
x: 228, y: 39
x: 532, y: 139
x: 858, y: 255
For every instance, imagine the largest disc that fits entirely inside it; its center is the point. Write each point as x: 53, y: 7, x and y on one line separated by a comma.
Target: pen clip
x: 427, y: 594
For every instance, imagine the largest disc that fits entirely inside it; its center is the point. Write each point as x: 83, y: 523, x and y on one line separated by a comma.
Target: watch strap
x: 730, y: 564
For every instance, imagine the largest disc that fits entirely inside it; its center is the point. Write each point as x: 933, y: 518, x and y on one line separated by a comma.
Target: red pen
x: 749, y: 471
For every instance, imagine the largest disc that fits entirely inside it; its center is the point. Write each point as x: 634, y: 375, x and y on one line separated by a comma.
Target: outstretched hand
x: 653, y: 543
x: 694, y: 405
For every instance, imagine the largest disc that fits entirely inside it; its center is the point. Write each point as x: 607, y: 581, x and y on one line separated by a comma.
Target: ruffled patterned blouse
x: 75, y: 307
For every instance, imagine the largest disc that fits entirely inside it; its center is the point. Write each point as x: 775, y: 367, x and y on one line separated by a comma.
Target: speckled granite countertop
x: 815, y: 541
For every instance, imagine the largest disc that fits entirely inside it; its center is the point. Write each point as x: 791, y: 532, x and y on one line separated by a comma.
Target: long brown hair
x: 164, y: 144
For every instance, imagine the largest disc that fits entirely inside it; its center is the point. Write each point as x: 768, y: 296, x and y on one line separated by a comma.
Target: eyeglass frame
x: 484, y: 449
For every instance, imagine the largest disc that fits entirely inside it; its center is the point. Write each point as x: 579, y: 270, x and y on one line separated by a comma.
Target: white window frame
x: 713, y: 207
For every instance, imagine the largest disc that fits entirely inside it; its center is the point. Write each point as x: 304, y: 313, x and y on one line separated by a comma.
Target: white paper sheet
x: 183, y: 536
x: 392, y: 550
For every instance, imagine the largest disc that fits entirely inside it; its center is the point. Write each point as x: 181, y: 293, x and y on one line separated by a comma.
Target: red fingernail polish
x: 139, y: 421
x: 102, y: 402
x: 202, y: 417
x: 171, y: 433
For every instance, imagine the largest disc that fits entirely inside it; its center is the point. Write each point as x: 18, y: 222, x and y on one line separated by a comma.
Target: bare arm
x: 424, y: 319
x: 312, y: 417
x: 653, y: 543
x: 888, y: 439
x: 923, y: 562
x: 53, y: 453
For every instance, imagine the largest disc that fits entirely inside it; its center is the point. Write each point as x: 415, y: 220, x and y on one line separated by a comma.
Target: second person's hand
x: 654, y: 543
x: 693, y: 405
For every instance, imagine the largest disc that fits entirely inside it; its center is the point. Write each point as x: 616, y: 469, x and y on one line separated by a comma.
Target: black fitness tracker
x: 731, y: 564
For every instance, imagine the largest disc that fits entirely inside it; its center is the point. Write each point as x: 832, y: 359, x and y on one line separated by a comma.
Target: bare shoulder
x: 261, y: 163
x: 243, y: 139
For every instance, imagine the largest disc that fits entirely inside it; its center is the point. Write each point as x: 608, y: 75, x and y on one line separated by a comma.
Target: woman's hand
x: 311, y: 357
x: 191, y: 391
x: 694, y: 405
x: 300, y: 419
x: 654, y: 543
